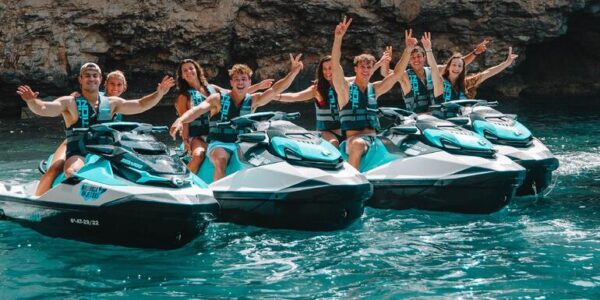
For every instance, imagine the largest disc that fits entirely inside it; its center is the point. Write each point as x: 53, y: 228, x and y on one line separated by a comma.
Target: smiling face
x: 456, y: 67
x: 115, y: 84
x: 239, y: 82
x: 189, y: 72
x: 89, y: 80
x: 327, y: 70
x: 417, y: 60
x: 363, y: 70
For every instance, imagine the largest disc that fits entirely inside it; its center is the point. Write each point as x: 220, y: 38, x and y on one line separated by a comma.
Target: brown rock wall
x: 43, y: 42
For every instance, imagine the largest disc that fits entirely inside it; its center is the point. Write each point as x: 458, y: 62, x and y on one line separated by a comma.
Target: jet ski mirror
x: 252, y: 137
x: 404, y: 129
x: 460, y: 121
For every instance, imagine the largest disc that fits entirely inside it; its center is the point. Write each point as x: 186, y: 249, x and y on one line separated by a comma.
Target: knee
x: 198, y: 153
x: 56, y: 168
x: 219, y: 159
x: 70, y: 171
x: 357, y: 146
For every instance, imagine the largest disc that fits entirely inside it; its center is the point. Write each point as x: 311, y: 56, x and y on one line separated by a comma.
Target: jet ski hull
x: 482, y: 193
x: 128, y: 221
x: 320, y: 207
x: 282, y: 195
x: 539, y: 163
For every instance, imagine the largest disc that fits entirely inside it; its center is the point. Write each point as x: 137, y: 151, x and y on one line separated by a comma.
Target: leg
x: 330, y: 137
x: 355, y: 147
x: 198, y: 151
x: 219, y: 158
x: 56, y: 166
x: 73, y: 164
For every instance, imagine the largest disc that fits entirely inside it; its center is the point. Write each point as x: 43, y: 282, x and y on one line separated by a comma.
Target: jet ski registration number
x: 85, y: 222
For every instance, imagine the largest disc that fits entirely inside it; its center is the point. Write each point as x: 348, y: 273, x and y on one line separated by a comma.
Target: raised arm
x: 37, y: 106
x: 436, y: 76
x: 498, y: 68
x: 305, y: 95
x: 384, y: 62
x: 131, y: 107
x: 281, y: 85
x: 383, y: 86
x: 469, y: 58
x: 263, y: 85
x: 192, y: 114
x: 338, y: 81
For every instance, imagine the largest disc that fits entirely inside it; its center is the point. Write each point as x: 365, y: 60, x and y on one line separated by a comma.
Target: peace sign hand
x: 296, y: 64
x: 482, y: 47
x: 511, y: 57
x: 409, y: 40
x: 342, y: 27
x: 426, y: 40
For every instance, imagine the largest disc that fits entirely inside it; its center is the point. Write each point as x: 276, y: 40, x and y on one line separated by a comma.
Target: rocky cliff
x: 43, y: 42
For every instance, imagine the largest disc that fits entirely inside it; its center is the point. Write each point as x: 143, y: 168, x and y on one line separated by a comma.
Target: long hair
x: 182, y: 85
x: 459, y: 85
x: 323, y: 84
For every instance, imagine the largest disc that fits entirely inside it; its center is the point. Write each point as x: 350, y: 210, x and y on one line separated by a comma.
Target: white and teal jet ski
x: 426, y: 163
x: 131, y: 191
x: 510, y: 138
x: 287, y: 177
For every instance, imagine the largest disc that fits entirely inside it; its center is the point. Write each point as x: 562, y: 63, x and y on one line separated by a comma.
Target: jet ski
x: 426, y: 163
x: 131, y: 191
x: 510, y: 138
x: 284, y: 176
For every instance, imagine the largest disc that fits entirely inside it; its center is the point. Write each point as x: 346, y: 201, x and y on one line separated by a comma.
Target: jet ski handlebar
x: 250, y: 119
x: 396, y: 114
x: 465, y: 103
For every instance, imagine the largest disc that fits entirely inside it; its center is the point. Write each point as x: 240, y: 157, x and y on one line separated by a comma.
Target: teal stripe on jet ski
x: 472, y: 141
x: 305, y: 150
x: 377, y: 155
x: 97, y: 169
x: 207, y: 169
x: 197, y: 181
x: 516, y: 132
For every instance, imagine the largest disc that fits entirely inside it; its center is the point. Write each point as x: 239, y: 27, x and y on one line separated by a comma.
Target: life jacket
x: 421, y: 95
x: 228, y: 112
x: 361, y: 111
x: 200, y: 126
x: 87, y: 116
x: 450, y: 93
x: 328, y: 117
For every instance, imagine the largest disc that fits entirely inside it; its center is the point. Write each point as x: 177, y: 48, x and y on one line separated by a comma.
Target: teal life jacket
x: 421, y: 95
x: 87, y: 116
x: 328, y: 116
x: 200, y: 126
x: 450, y: 93
x: 228, y: 111
x: 361, y: 111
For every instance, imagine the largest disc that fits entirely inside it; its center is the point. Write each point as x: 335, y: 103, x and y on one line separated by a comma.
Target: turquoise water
x: 542, y: 249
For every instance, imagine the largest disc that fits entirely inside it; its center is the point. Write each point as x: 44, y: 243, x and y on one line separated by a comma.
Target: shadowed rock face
x: 43, y: 42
